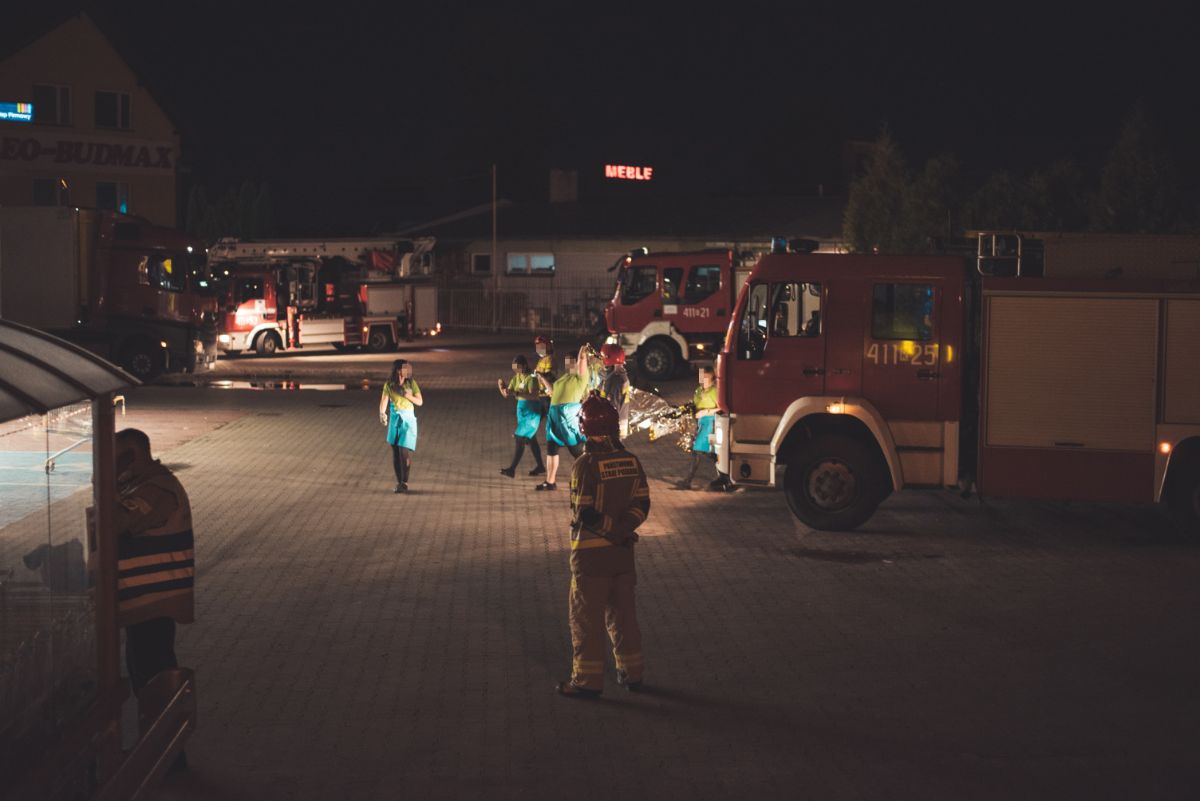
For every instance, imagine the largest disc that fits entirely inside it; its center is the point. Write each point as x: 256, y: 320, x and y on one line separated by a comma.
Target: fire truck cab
x: 865, y: 374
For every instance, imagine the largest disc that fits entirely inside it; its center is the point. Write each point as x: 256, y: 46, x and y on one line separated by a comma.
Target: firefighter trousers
x: 599, y: 603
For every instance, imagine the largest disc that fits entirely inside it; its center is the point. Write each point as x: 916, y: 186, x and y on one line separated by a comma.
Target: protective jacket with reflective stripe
x: 609, y: 500
x: 155, y: 549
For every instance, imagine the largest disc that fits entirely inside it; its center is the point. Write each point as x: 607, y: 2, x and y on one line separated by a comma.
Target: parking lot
x: 362, y: 644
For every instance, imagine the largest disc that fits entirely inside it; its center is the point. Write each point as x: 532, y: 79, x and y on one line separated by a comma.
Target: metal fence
x: 559, y: 309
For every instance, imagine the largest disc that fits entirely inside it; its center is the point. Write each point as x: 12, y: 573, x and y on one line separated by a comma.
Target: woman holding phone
x: 401, y: 395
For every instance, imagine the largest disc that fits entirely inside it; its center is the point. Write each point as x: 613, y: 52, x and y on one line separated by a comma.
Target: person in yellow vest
x: 562, y: 418
x: 610, y: 499
x: 401, y: 395
x: 524, y: 387
x: 155, y: 560
x: 704, y: 400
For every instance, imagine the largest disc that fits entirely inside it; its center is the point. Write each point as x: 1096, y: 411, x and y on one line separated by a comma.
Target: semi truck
x: 844, y: 378
x: 134, y: 293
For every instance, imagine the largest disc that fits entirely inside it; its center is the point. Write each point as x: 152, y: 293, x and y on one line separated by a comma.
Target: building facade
x: 96, y: 137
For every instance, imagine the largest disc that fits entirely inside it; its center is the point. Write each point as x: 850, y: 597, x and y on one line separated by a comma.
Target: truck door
x: 702, y: 307
x: 248, y: 304
x: 780, y: 349
x: 901, y: 355
x: 638, y: 302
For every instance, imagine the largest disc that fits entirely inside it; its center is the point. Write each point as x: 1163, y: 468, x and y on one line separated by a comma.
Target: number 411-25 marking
x: 902, y: 353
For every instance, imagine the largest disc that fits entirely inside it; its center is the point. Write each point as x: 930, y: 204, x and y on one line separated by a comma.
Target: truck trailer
x: 134, y: 293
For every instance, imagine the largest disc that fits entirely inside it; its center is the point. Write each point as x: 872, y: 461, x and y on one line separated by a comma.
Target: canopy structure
x: 40, y: 372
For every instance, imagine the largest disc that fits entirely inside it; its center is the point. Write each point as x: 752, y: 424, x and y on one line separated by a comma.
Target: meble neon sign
x: 627, y: 173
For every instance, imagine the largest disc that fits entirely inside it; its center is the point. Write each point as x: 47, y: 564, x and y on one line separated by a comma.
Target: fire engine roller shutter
x: 1071, y: 370
x: 1182, y: 383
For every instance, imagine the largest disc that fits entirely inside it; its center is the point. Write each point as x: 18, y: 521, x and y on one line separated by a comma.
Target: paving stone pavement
x: 356, y: 644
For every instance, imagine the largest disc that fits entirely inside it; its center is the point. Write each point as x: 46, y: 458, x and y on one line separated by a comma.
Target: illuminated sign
x: 627, y: 173
x: 16, y: 112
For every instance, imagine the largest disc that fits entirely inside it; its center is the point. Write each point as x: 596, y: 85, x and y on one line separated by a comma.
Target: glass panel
x: 247, y: 289
x: 45, y: 105
x: 541, y: 263
x: 703, y: 281
x: 106, y: 110
x: 47, y: 622
x: 796, y: 310
x: 518, y: 263
x: 638, y: 283
x: 672, y: 278
x: 902, y: 311
x: 752, y: 333
x: 166, y: 272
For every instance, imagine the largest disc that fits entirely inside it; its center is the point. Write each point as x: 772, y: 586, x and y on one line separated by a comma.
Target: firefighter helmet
x: 544, y: 340
x: 598, y: 418
x: 612, y: 354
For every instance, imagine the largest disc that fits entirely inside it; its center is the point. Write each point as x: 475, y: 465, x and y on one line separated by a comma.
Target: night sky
x: 356, y: 115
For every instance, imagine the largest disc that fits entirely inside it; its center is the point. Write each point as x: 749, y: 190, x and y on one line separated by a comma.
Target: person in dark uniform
x: 524, y: 387
x: 610, y: 499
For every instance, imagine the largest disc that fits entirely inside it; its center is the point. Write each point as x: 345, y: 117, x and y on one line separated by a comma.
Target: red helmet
x: 542, y: 340
x: 612, y: 354
x: 598, y: 418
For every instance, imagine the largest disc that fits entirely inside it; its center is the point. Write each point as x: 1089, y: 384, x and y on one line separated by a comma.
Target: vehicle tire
x: 268, y: 344
x: 379, y: 340
x: 657, y: 360
x: 1183, y: 498
x: 834, y: 482
x: 142, y: 359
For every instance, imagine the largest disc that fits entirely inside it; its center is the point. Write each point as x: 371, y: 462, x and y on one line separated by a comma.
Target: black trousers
x: 401, y: 463
x: 149, y: 650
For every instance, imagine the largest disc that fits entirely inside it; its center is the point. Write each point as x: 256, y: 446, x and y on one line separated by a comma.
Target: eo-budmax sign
x: 86, y: 153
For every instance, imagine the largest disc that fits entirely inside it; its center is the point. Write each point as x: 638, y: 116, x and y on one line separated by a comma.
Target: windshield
x: 638, y: 283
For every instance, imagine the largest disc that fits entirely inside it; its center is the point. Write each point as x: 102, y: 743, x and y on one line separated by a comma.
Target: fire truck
x: 861, y: 375
x: 673, y: 308
x: 348, y: 294
x: 134, y: 293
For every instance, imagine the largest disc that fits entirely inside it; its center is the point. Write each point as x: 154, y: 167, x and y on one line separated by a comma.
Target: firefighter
x: 155, y: 560
x: 401, y: 395
x: 609, y: 500
x: 704, y: 400
x: 615, y: 386
x: 562, y: 418
x: 524, y: 387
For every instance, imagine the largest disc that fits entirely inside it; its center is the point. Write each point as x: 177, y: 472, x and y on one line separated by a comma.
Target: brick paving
x: 355, y: 644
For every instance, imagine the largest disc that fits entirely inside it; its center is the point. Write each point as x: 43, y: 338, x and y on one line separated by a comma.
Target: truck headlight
x: 224, y: 339
x: 162, y: 343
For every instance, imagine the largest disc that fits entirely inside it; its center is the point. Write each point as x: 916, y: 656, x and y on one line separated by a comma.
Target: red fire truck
x: 671, y: 308
x: 309, y: 294
x: 134, y: 293
x: 865, y: 374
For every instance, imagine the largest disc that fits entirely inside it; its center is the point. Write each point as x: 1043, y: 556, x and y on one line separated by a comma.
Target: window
x: 247, y: 289
x: 162, y: 271
x: 637, y: 283
x: 112, y: 110
x: 703, y: 281
x: 902, y: 311
x: 752, y: 331
x: 531, y: 264
x: 795, y: 310
x: 112, y: 196
x: 481, y: 263
x: 50, y: 192
x: 672, y: 278
x: 51, y: 104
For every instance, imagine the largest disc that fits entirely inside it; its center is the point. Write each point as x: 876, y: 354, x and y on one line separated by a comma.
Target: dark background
x: 357, y: 116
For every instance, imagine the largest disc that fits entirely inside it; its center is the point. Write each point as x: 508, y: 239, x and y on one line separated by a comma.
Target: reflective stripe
x: 638, y: 513
x: 629, y: 660
x: 155, y: 559
x: 155, y: 577
x: 594, y: 542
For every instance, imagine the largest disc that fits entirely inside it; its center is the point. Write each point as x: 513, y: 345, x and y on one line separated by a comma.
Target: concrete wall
x: 143, y: 157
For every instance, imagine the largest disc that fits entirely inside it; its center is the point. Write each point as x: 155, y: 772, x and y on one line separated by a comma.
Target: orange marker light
x: 1164, y: 447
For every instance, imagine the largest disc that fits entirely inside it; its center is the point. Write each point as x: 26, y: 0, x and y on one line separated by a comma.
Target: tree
x: 932, y: 203
x: 245, y: 213
x: 875, y: 215
x: 1138, y: 192
x: 1000, y: 204
x: 1057, y: 199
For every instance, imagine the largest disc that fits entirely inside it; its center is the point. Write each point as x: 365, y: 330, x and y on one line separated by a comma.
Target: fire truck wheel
x: 834, y: 482
x: 379, y: 340
x: 657, y: 359
x: 267, y: 344
x: 1183, y: 499
x: 142, y: 359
